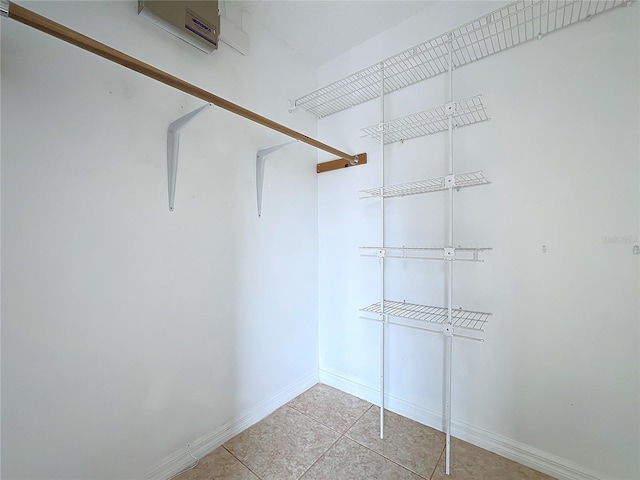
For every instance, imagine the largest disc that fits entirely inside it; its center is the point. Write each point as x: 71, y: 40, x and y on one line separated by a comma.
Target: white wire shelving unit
x: 500, y: 30
x: 497, y: 31
x: 435, y: 120
x: 465, y: 323
x: 457, y: 181
x: 459, y: 254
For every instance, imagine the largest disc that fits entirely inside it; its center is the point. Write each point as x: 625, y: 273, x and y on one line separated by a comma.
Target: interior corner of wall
x: 234, y: 36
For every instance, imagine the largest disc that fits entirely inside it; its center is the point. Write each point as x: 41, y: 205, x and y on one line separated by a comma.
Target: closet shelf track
x: 500, y: 30
x: 459, y: 180
x: 459, y: 254
x: 435, y: 120
x: 430, y: 316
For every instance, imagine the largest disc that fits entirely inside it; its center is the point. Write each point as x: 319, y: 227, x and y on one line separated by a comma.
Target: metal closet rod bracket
x: 261, y: 156
x: 173, y: 148
x: 340, y: 163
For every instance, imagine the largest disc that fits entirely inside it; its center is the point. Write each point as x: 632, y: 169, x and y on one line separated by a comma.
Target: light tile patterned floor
x: 326, y: 434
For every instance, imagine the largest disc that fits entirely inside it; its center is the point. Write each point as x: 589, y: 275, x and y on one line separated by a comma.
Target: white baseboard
x: 545, y: 462
x: 178, y: 461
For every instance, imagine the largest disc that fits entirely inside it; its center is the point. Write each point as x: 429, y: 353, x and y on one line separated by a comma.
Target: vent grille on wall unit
x: 195, y: 22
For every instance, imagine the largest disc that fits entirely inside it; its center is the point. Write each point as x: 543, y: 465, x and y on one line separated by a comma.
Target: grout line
x: 329, y: 426
x: 320, y: 457
x: 391, y: 459
x: 437, y: 463
x: 342, y: 435
x: 316, y: 420
x: 346, y: 435
x: 242, y: 463
x: 359, y: 418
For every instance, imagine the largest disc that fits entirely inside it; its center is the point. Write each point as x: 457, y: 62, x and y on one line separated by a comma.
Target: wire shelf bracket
x: 173, y: 149
x: 512, y: 25
x: 465, y: 323
x: 261, y: 156
x: 459, y: 254
x: 458, y: 181
x: 435, y: 120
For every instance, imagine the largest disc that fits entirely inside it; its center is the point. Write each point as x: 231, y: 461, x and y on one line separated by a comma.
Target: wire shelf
x: 507, y: 27
x: 459, y: 254
x: 426, y: 186
x: 465, y: 319
x: 435, y: 120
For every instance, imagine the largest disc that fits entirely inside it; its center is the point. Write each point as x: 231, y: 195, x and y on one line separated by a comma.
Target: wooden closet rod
x: 45, y: 25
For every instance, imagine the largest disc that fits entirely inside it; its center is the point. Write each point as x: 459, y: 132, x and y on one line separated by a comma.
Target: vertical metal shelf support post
x: 448, y: 330
x: 383, y: 316
x: 173, y: 148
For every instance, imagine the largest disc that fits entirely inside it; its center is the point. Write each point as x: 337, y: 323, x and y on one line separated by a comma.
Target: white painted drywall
x: 127, y: 330
x: 559, y: 370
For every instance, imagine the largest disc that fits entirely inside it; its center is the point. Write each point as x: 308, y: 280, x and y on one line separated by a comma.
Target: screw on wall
x: 544, y: 249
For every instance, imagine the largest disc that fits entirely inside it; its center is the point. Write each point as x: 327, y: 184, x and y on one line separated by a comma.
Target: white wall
x: 559, y: 371
x: 127, y: 330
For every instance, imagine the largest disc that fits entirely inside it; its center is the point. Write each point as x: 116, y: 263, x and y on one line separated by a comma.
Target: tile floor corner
x: 328, y: 434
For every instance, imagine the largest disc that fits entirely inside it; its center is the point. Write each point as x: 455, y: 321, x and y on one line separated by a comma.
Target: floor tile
x: 406, y: 442
x: 283, y: 445
x: 469, y: 462
x: 218, y: 465
x: 330, y: 406
x: 348, y: 460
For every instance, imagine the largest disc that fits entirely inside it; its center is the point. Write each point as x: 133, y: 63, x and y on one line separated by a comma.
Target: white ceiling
x: 321, y: 30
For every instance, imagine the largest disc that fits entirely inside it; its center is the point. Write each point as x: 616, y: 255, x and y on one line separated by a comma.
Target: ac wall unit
x: 197, y: 23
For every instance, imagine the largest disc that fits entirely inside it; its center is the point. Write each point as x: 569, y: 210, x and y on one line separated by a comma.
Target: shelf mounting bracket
x: 449, y: 253
x: 260, y: 159
x: 360, y: 159
x: 450, y: 181
x: 450, y: 108
x: 173, y: 147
